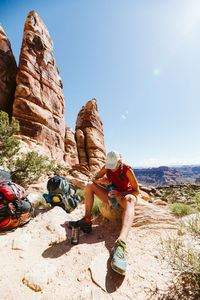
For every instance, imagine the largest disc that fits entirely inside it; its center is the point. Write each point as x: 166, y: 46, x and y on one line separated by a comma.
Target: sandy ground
x: 47, y: 249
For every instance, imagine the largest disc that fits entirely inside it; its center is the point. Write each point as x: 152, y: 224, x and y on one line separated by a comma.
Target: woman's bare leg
x: 92, y: 189
x: 128, y: 203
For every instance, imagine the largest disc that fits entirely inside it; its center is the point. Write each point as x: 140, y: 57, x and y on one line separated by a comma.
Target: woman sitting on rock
x: 121, y: 184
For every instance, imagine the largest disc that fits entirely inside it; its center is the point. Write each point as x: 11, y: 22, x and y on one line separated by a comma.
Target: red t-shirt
x: 123, y: 184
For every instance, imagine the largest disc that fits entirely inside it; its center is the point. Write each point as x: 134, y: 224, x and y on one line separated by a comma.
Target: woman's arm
x: 98, y: 179
x: 133, y: 181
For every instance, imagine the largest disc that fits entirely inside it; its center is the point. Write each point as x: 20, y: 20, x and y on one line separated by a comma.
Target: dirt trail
x: 39, y: 256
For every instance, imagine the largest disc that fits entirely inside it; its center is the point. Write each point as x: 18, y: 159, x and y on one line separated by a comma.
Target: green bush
x: 9, y: 145
x: 183, y: 251
x: 95, y: 208
x: 81, y: 194
x: 182, y: 209
x: 96, y: 204
x: 27, y: 168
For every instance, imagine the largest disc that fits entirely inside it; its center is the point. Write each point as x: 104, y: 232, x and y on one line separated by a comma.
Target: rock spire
x: 90, y: 136
x: 39, y: 101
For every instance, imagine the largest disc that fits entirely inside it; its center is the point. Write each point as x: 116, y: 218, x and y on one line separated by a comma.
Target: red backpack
x: 15, y: 208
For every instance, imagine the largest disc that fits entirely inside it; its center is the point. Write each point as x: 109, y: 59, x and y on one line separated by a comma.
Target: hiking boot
x: 118, y: 262
x: 84, y: 226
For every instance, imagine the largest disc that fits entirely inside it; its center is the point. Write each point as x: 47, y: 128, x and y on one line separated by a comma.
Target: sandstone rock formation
x: 39, y: 101
x: 146, y: 215
x: 8, y: 70
x: 71, y: 153
x: 90, y: 137
x: 82, y: 167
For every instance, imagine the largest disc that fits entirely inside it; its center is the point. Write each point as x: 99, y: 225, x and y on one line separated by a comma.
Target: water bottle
x: 75, y: 234
x: 113, y: 200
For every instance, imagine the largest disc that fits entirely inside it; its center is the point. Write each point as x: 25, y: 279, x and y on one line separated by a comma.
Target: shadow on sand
x: 105, y: 231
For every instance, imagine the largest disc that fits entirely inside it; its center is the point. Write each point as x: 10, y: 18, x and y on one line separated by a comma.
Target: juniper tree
x: 9, y: 145
x: 24, y: 168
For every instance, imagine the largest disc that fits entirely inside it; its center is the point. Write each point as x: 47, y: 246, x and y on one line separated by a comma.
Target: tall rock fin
x: 90, y: 136
x: 39, y: 101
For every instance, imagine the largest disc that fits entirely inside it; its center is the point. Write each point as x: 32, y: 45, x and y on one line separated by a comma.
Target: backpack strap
x: 12, y: 191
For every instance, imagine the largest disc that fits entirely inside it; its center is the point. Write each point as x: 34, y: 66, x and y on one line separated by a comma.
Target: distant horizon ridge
x: 169, y: 165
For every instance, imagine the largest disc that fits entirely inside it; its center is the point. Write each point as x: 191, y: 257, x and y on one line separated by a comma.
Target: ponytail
x: 121, y: 174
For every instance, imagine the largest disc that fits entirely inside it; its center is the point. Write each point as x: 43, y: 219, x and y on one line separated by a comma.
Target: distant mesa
x: 163, y: 176
x: 33, y: 94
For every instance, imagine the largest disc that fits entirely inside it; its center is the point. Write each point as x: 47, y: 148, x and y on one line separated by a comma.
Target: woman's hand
x: 114, y: 194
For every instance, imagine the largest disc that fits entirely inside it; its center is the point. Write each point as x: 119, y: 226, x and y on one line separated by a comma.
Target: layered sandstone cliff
x: 90, y: 136
x: 8, y: 70
x: 39, y: 101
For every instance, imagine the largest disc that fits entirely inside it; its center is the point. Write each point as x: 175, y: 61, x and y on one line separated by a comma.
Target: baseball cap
x: 112, y: 159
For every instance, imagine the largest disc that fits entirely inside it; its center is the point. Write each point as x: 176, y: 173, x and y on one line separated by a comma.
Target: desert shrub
x: 182, y: 209
x: 29, y: 168
x: 9, y: 145
x: 95, y: 208
x: 26, y: 168
x: 185, y: 258
x: 81, y: 194
x: 193, y: 226
x: 196, y: 200
x: 183, y: 251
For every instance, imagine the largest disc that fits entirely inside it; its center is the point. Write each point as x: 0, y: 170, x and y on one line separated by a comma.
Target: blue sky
x: 139, y: 59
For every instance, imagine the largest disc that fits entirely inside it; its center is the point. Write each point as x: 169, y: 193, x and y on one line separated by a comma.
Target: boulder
x: 52, y: 221
x: 147, y: 215
x: 8, y: 71
x: 79, y: 179
x: 36, y: 198
x: 145, y: 196
x: 111, y: 214
x: 39, y: 101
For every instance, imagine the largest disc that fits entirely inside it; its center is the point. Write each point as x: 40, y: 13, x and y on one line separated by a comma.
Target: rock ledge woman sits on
x: 121, y: 184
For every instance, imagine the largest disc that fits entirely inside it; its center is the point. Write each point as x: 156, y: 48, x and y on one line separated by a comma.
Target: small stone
x: 81, y: 277
x: 100, y: 236
x: 180, y: 232
x: 22, y: 242
x: 39, y: 276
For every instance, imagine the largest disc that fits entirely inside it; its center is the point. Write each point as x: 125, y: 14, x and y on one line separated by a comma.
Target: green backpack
x: 62, y: 193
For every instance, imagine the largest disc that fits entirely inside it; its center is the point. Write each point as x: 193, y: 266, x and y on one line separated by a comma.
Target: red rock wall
x: 8, y: 71
x: 39, y: 101
x: 90, y: 136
